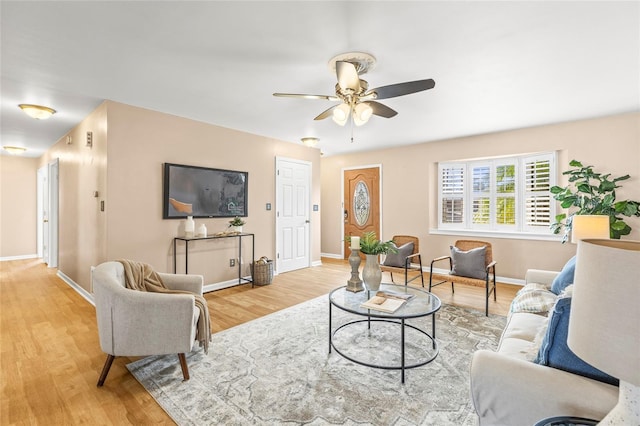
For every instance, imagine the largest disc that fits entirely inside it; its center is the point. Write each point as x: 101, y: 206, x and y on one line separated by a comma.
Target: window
x: 509, y: 194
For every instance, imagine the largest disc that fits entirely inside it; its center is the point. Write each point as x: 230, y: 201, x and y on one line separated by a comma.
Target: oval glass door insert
x: 361, y: 203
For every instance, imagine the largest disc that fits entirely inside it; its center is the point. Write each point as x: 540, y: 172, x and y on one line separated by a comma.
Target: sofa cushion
x: 565, y: 277
x: 469, y: 263
x: 555, y: 352
x: 533, y: 297
x: 398, y: 259
x: 523, y: 325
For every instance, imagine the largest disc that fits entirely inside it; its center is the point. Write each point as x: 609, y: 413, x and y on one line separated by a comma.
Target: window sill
x: 497, y: 234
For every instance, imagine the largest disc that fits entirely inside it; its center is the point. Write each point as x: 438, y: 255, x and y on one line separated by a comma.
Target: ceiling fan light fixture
x: 341, y: 114
x: 14, y: 150
x: 362, y: 113
x: 38, y: 112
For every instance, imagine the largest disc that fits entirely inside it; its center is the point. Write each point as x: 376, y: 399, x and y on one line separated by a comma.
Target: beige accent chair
x: 137, y: 323
x: 489, y: 280
x: 411, y: 264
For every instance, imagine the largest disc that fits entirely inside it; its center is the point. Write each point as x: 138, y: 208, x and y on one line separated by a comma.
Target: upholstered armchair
x: 137, y: 323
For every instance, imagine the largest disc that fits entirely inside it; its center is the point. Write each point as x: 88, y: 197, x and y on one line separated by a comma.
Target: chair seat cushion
x: 398, y: 259
x: 469, y: 263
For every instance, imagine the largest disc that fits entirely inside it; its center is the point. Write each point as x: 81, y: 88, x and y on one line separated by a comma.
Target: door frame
x: 48, y: 193
x: 341, y: 221
x: 278, y: 239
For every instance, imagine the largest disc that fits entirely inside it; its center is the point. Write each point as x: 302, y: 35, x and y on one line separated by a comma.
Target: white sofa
x: 509, y: 389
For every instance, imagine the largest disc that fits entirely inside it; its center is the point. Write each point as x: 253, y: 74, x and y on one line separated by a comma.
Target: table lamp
x: 589, y: 226
x: 604, y: 325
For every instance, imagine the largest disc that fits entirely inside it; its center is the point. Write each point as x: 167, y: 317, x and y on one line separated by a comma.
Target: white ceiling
x: 497, y: 65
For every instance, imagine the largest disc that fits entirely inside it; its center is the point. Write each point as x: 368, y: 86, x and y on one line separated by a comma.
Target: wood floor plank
x: 50, y: 356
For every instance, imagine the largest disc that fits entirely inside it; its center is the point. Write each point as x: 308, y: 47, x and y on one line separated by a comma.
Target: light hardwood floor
x: 50, y: 357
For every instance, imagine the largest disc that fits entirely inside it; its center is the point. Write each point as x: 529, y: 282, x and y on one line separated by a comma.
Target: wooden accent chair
x: 489, y: 272
x: 137, y: 323
x: 406, y: 264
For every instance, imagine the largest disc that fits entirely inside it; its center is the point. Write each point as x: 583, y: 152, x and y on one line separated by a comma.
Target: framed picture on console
x: 203, y: 192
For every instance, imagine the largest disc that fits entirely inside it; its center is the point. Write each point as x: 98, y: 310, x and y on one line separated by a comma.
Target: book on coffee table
x: 386, y: 301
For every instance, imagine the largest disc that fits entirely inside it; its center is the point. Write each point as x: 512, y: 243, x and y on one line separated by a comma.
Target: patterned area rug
x: 276, y: 370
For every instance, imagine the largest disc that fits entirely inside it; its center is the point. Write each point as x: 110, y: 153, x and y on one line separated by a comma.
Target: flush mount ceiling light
x: 310, y: 142
x: 38, y: 112
x: 14, y: 150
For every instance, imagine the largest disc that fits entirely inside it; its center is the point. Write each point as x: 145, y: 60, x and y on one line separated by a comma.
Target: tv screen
x: 203, y: 192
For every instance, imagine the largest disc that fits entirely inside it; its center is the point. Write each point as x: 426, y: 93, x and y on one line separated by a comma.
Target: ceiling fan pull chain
x: 351, y: 128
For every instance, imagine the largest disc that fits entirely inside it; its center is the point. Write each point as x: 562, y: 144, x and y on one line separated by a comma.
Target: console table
x: 240, y: 237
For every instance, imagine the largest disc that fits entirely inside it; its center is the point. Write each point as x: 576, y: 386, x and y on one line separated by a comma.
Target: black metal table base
x: 402, y: 323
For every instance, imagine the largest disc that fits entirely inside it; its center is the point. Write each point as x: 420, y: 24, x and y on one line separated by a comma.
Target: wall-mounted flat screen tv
x: 203, y: 192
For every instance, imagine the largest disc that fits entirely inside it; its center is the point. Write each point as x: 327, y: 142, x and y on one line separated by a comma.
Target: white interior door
x: 293, y: 187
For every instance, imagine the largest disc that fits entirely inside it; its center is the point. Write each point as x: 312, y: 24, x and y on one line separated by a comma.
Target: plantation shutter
x: 538, y: 180
x: 481, y: 194
x: 452, y: 195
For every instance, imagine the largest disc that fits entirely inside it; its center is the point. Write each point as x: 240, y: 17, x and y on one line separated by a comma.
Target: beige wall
x: 141, y: 141
x: 82, y: 171
x: 409, y: 189
x: 124, y: 165
x: 18, y: 194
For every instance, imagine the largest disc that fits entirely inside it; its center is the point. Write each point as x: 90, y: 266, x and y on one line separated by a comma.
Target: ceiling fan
x: 357, y: 101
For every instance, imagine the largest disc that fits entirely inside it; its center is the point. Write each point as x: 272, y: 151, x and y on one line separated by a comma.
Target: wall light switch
x: 268, y: 206
x: 315, y: 207
x: 89, y: 139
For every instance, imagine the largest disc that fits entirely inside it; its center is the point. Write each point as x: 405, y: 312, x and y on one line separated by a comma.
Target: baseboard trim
x: 224, y: 284
x: 81, y: 291
x: 331, y: 255
x: 21, y: 257
x: 316, y: 263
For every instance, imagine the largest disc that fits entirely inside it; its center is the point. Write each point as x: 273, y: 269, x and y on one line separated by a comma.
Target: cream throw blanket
x: 141, y: 276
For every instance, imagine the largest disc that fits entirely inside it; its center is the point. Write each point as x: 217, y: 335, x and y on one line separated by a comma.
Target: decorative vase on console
x: 189, y: 227
x: 372, y: 248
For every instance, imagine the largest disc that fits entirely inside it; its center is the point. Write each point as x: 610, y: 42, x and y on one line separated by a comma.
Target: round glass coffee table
x: 421, y: 304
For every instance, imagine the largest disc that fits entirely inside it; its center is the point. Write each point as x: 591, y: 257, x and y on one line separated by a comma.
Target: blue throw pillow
x: 555, y: 352
x: 565, y: 277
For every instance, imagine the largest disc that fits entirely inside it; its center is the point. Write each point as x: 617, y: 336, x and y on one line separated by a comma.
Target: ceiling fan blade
x: 400, y: 89
x: 382, y: 110
x: 303, y: 96
x: 326, y: 113
x: 347, y: 76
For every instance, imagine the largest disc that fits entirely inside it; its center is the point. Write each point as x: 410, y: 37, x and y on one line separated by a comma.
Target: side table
x: 567, y: 421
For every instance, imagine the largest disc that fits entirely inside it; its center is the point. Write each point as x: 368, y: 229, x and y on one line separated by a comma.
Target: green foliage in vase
x: 592, y: 193
x: 370, y: 244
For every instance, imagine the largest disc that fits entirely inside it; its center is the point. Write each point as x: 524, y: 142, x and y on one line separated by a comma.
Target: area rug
x: 276, y: 370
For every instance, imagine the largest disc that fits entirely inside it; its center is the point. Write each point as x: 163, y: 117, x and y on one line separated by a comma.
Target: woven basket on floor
x: 262, y: 272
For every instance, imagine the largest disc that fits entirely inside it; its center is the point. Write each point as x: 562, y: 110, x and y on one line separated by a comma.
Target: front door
x: 361, y: 203
x: 293, y: 188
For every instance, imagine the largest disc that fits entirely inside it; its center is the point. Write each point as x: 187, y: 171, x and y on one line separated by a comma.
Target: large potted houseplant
x: 592, y: 193
x: 372, y: 247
